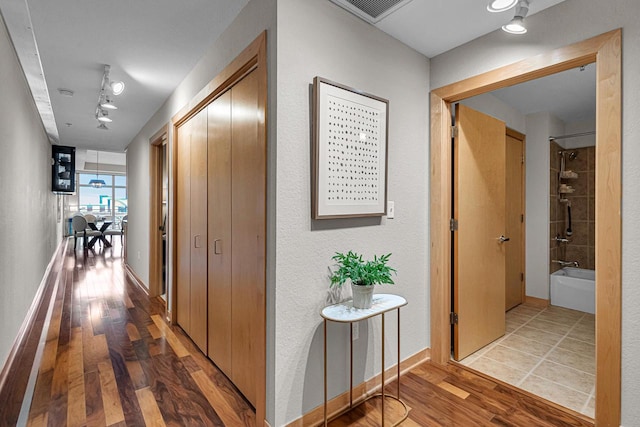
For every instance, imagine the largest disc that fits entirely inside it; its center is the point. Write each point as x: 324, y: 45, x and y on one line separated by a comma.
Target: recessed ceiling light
x: 65, y: 92
x: 501, y: 5
x: 68, y: 124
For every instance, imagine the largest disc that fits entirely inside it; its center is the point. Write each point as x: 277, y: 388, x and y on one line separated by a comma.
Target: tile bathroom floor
x: 549, y: 352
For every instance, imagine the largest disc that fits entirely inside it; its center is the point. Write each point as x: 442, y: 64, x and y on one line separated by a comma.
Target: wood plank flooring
x: 110, y: 359
x: 455, y: 396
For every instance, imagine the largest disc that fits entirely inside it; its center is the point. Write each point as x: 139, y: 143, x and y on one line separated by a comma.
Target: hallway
x: 110, y: 359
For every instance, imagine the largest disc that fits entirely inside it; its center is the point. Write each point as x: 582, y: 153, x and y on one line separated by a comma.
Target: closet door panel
x: 183, y: 220
x: 198, y: 171
x: 219, y: 245
x: 248, y: 206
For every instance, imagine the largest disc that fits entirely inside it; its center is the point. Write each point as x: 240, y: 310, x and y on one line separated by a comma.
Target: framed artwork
x: 350, y: 129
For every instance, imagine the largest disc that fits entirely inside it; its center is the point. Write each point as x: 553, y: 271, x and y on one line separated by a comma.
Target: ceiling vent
x: 371, y: 11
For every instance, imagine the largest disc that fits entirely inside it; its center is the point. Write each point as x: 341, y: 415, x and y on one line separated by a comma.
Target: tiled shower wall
x: 581, y: 246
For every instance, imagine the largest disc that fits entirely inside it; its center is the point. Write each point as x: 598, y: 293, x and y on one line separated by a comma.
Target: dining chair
x: 79, y: 225
x: 116, y: 231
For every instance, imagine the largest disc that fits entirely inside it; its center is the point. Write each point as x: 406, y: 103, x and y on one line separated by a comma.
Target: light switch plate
x: 391, y: 210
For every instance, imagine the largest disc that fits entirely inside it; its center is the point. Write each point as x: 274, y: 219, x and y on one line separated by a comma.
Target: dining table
x: 103, y: 227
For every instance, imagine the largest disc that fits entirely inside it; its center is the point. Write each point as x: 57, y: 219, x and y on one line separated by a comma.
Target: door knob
x: 503, y: 239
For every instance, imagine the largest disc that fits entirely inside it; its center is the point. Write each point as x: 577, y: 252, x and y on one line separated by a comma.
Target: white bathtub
x: 574, y: 288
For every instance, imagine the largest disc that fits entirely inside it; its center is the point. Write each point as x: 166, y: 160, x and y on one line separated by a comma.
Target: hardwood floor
x: 110, y: 359
x: 457, y: 397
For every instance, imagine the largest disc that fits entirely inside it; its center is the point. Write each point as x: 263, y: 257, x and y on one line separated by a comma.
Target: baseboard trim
x: 372, y: 386
x: 136, y: 279
x: 536, y: 302
x: 14, y: 379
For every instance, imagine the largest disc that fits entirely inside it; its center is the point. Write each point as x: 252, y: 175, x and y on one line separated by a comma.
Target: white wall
x: 539, y: 127
x: 256, y: 16
x: 563, y: 24
x: 318, y: 38
x: 28, y: 212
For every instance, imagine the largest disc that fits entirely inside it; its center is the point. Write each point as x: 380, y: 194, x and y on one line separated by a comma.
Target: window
x: 108, y: 202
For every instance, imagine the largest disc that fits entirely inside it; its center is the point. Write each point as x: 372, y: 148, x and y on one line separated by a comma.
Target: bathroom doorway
x: 605, y: 51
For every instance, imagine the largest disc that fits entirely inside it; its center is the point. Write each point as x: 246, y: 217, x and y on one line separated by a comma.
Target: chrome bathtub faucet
x: 566, y: 263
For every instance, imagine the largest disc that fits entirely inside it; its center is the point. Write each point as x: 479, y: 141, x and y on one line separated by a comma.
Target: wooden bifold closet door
x: 228, y: 180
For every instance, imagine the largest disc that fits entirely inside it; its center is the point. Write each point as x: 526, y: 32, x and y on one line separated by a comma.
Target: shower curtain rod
x: 573, y: 135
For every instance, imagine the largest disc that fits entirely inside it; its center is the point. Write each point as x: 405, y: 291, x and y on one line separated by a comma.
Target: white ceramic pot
x: 362, y: 295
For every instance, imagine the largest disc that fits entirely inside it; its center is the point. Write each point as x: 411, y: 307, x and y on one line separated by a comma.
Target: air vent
x: 371, y: 11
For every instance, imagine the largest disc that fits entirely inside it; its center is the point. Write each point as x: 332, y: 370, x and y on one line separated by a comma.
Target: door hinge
x: 522, y: 159
x: 454, y: 131
x: 522, y: 277
x: 453, y: 318
x: 521, y: 217
x: 453, y: 224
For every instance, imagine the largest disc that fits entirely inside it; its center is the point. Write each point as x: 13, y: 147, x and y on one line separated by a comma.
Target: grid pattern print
x: 353, y: 152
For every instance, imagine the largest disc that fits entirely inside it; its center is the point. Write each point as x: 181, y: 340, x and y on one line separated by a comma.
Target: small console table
x: 344, y: 312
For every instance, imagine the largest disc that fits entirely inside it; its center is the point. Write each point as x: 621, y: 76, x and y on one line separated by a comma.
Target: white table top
x: 346, y: 313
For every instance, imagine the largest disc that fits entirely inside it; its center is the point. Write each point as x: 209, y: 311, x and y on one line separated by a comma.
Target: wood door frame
x: 606, y: 51
x: 155, y: 210
x: 252, y: 59
x: 523, y: 231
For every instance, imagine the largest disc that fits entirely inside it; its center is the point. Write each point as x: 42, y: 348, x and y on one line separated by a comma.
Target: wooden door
x: 248, y: 167
x: 514, y: 279
x: 183, y: 225
x: 198, y: 176
x: 479, y: 207
x: 220, y: 218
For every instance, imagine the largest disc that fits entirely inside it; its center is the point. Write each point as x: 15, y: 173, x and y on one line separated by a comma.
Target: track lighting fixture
x: 501, y: 5
x: 107, y: 88
x: 516, y: 25
x: 102, y: 115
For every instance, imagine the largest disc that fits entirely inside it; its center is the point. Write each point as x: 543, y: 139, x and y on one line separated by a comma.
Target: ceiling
x: 151, y: 45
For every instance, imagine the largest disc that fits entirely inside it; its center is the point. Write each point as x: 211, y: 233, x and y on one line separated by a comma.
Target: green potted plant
x: 362, y: 274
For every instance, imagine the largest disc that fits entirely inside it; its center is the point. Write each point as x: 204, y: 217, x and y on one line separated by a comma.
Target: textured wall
x: 565, y: 23
x: 317, y: 38
x: 28, y: 214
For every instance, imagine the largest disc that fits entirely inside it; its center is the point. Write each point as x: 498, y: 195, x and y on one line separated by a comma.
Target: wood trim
x: 155, y: 211
x: 609, y: 231
x: 606, y: 51
x: 136, y: 280
x: 371, y: 386
x: 542, y: 65
x: 252, y: 58
x: 16, y: 371
x: 522, y: 137
x: 536, y: 302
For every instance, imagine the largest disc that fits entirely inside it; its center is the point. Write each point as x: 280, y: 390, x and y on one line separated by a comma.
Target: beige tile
x: 556, y: 328
x: 526, y: 345
x: 579, y: 208
x: 498, y: 370
x: 588, y: 321
x: 586, y: 334
x: 538, y: 335
x: 516, y: 318
x: 558, y: 317
x: 590, y: 409
x: 581, y: 362
x: 525, y: 310
x: 555, y: 392
x: 572, y: 378
x: 575, y: 314
x: 577, y: 346
x: 511, y: 357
